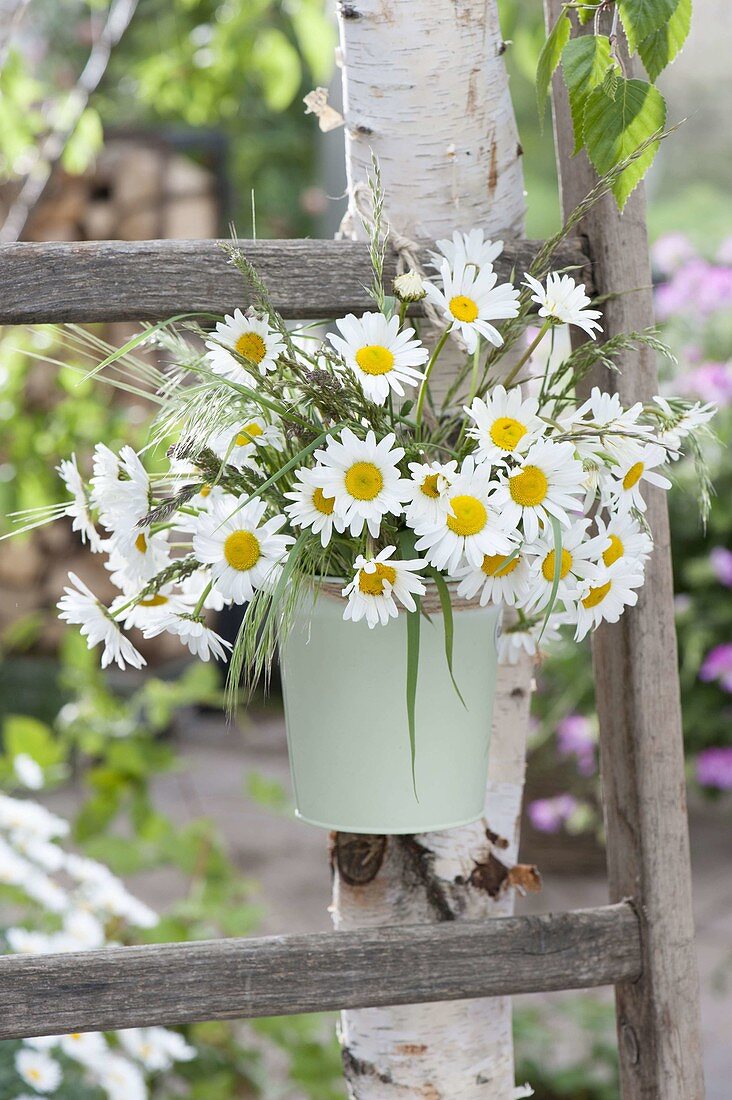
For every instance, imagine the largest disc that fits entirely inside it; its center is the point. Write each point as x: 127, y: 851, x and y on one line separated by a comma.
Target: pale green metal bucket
x: 347, y: 728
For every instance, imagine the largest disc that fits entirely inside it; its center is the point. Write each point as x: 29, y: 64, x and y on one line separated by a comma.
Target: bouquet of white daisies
x: 387, y: 454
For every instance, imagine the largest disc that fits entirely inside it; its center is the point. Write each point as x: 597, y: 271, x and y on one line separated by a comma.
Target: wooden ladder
x: 642, y: 942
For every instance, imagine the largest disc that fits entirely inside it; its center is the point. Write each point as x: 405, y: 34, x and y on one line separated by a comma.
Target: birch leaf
x: 642, y: 18
x: 585, y: 61
x: 614, y: 129
x: 549, y: 59
x: 660, y: 48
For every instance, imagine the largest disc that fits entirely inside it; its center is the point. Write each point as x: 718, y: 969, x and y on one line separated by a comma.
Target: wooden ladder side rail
x: 280, y: 975
x: 99, y: 281
x: 637, y: 692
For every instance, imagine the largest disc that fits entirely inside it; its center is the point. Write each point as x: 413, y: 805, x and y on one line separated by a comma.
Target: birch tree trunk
x: 425, y: 88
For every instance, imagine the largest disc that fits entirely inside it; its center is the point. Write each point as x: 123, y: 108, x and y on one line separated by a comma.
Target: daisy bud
x: 409, y: 287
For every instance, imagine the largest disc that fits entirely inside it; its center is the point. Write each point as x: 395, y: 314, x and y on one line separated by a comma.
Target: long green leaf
x: 557, y: 529
x: 660, y: 48
x: 444, y: 593
x: 413, y: 629
x: 585, y: 61
x: 139, y: 338
x: 549, y: 59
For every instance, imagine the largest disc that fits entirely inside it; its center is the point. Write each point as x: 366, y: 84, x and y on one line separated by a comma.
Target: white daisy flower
x: 469, y: 301
x: 156, y: 1047
x: 525, y: 639
x: 467, y: 248
x: 679, y: 422
x: 409, y: 286
x: 378, y: 581
x: 23, y: 941
x: 120, y: 488
x: 22, y: 816
x: 148, y: 610
x: 605, y: 596
x: 85, y: 1047
x: 249, y: 337
x: 625, y: 488
x: 310, y: 507
x: 80, y: 606
x: 110, y: 897
x: 201, y: 640
x: 46, y: 892
x: 38, y: 1070
x: 579, y: 559
x: 546, y: 483
x: 121, y: 1079
x: 243, y: 555
x: 471, y: 526
x: 78, y: 509
x: 565, y: 301
x: 136, y: 556
x: 364, y: 479
x: 498, y: 580
x: 82, y: 931
x: 602, y: 424
x: 505, y: 424
x: 428, y: 485
x: 238, y: 445
x: 382, y: 358
x: 623, y: 537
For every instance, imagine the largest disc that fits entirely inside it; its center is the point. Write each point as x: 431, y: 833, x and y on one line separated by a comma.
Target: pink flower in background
x: 710, y: 381
x: 718, y: 666
x: 671, y: 251
x: 721, y: 562
x: 549, y: 814
x: 699, y: 287
x: 714, y: 768
x: 575, y: 737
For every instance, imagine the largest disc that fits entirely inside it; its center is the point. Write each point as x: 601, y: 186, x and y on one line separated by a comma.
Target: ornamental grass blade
x: 557, y: 529
x: 413, y: 629
x: 444, y: 593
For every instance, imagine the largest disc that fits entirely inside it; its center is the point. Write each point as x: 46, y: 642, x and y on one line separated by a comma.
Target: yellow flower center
x: 141, y: 543
x: 429, y: 486
x: 614, y: 551
x: 597, y: 595
x: 322, y: 503
x: 491, y: 563
x: 154, y: 601
x: 633, y: 475
x: 372, y: 584
x: 470, y: 516
x: 529, y: 487
x: 248, y: 433
x: 250, y: 345
x: 463, y: 309
x: 548, y: 565
x: 205, y: 490
x: 506, y: 432
x: 34, y: 1074
x: 242, y: 550
x: 75, y: 1035
x: 364, y: 481
x: 374, y: 359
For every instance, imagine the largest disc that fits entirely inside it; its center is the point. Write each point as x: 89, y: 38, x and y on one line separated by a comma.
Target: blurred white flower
x: 38, y: 1070
x: 28, y: 771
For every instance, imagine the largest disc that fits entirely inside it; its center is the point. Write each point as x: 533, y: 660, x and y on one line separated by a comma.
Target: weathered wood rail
x: 152, y: 280
x: 281, y: 975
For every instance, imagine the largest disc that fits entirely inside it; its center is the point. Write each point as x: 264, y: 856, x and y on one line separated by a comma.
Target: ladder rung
x: 281, y: 975
x: 152, y: 280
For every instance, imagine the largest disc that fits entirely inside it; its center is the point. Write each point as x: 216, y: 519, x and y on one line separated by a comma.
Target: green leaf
x: 23, y: 734
x: 557, y: 530
x: 587, y: 13
x: 84, y: 144
x: 413, y: 629
x: 549, y: 59
x: 615, y: 128
x: 585, y: 62
x: 610, y: 82
x: 278, y: 68
x: 660, y: 48
x: 642, y: 18
x: 446, y: 604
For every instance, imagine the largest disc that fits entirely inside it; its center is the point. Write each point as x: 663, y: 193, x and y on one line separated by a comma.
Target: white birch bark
x: 425, y: 88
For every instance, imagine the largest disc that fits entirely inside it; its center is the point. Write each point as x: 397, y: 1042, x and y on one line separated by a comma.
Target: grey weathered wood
x: 152, y: 280
x: 637, y: 693
x: 281, y: 975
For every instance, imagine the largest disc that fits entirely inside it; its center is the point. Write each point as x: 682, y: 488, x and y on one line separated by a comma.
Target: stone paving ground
x: 288, y: 859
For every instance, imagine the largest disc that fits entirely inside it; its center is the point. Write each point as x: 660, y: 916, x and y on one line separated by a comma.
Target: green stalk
x: 425, y: 381
x: 529, y: 352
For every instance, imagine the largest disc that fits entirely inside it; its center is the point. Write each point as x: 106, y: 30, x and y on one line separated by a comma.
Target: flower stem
x: 528, y: 353
x: 427, y: 373
x: 202, y: 599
